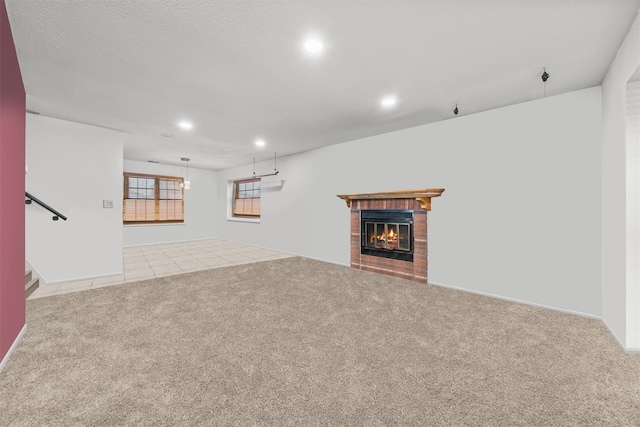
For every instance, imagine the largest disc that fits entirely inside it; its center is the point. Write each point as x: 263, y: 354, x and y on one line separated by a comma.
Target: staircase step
x: 27, y: 276
x: 31, y: 286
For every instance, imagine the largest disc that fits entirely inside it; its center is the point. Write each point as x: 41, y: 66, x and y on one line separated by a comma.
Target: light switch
x: 107, y: 204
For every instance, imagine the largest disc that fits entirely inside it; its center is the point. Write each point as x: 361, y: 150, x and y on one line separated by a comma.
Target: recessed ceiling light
x: 313, y: 45
x: 185, y: 125
x: 166, y: 134
x: 260, y: 142
x: 388, y: 102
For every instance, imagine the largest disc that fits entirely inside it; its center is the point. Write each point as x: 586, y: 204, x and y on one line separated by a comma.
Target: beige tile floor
x: 148, y: 262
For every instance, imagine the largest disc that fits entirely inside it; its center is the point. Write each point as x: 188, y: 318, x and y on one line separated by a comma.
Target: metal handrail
x: 56, y: 214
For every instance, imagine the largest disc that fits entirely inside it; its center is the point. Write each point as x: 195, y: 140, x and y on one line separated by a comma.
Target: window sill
x: 239, y: 219
x: 154, y: 225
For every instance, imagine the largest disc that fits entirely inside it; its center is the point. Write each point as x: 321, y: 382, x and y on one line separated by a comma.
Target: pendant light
x: 186, y: 184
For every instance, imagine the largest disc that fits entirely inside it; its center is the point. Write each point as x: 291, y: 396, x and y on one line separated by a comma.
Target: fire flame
x: 390, y: 238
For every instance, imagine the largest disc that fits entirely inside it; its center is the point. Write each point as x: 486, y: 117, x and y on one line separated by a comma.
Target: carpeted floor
x: 301, y: 342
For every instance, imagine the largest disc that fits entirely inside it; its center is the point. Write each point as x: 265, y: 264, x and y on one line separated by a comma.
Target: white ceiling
x: 238, y: 71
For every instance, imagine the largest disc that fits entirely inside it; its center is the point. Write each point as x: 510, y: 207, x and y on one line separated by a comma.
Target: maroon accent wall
x: 12, y: 167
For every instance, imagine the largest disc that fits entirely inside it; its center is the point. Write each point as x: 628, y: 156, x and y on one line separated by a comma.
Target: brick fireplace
x: 389, y: 232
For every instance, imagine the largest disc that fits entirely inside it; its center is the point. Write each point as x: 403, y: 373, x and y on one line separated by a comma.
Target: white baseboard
x: 614, y: 335
x: 13, y: 347
x: 286, y: 252
x: 80, y: 278
x: 318, y: 259
x: 168, y: 242
x: 628, y: 350
x: 563, y: 310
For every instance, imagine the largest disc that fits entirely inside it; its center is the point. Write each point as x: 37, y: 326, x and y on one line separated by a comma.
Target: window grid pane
x: 246, y: 201
x: 173, y: 190
x: 144, y: 204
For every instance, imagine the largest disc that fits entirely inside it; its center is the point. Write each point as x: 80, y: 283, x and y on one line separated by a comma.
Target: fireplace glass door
x: 386, y: 235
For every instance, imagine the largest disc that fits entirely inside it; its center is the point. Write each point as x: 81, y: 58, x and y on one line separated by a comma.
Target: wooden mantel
x: 423, y: 196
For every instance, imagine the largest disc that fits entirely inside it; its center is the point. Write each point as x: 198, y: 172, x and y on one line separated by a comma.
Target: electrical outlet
x: 107, y: 204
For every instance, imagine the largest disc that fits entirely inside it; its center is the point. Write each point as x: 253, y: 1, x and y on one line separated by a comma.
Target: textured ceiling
x: 238, y: 71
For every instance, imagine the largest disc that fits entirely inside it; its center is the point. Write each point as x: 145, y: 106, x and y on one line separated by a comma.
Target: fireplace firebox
x: 387, y: 234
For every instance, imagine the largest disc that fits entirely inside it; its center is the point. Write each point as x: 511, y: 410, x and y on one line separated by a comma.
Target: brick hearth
x: 419, y: 201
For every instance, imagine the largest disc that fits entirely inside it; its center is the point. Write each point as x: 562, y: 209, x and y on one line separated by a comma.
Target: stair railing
x: 56, y: 214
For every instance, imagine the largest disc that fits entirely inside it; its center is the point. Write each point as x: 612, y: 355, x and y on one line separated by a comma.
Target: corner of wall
x: 617, y: 275
x: 6, y: 357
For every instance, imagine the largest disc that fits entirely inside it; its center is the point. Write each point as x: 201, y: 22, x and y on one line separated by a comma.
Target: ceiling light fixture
x: 313, y: 46
x: 260, y: 142
x: 186, y: 184
x: 185, y: 125
x: 389, y: 102
x: 455, y: 111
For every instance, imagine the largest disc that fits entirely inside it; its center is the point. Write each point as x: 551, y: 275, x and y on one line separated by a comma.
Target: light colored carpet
x: 301, y: 342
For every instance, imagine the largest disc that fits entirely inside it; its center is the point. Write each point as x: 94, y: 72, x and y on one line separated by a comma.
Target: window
x: 152, y: 199
x: 246, y: 198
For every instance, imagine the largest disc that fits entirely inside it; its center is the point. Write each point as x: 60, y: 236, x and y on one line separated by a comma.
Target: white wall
x: 73, y: 167
x: 520, y: 216
x: 619, y: 186
x: 200, y: 203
